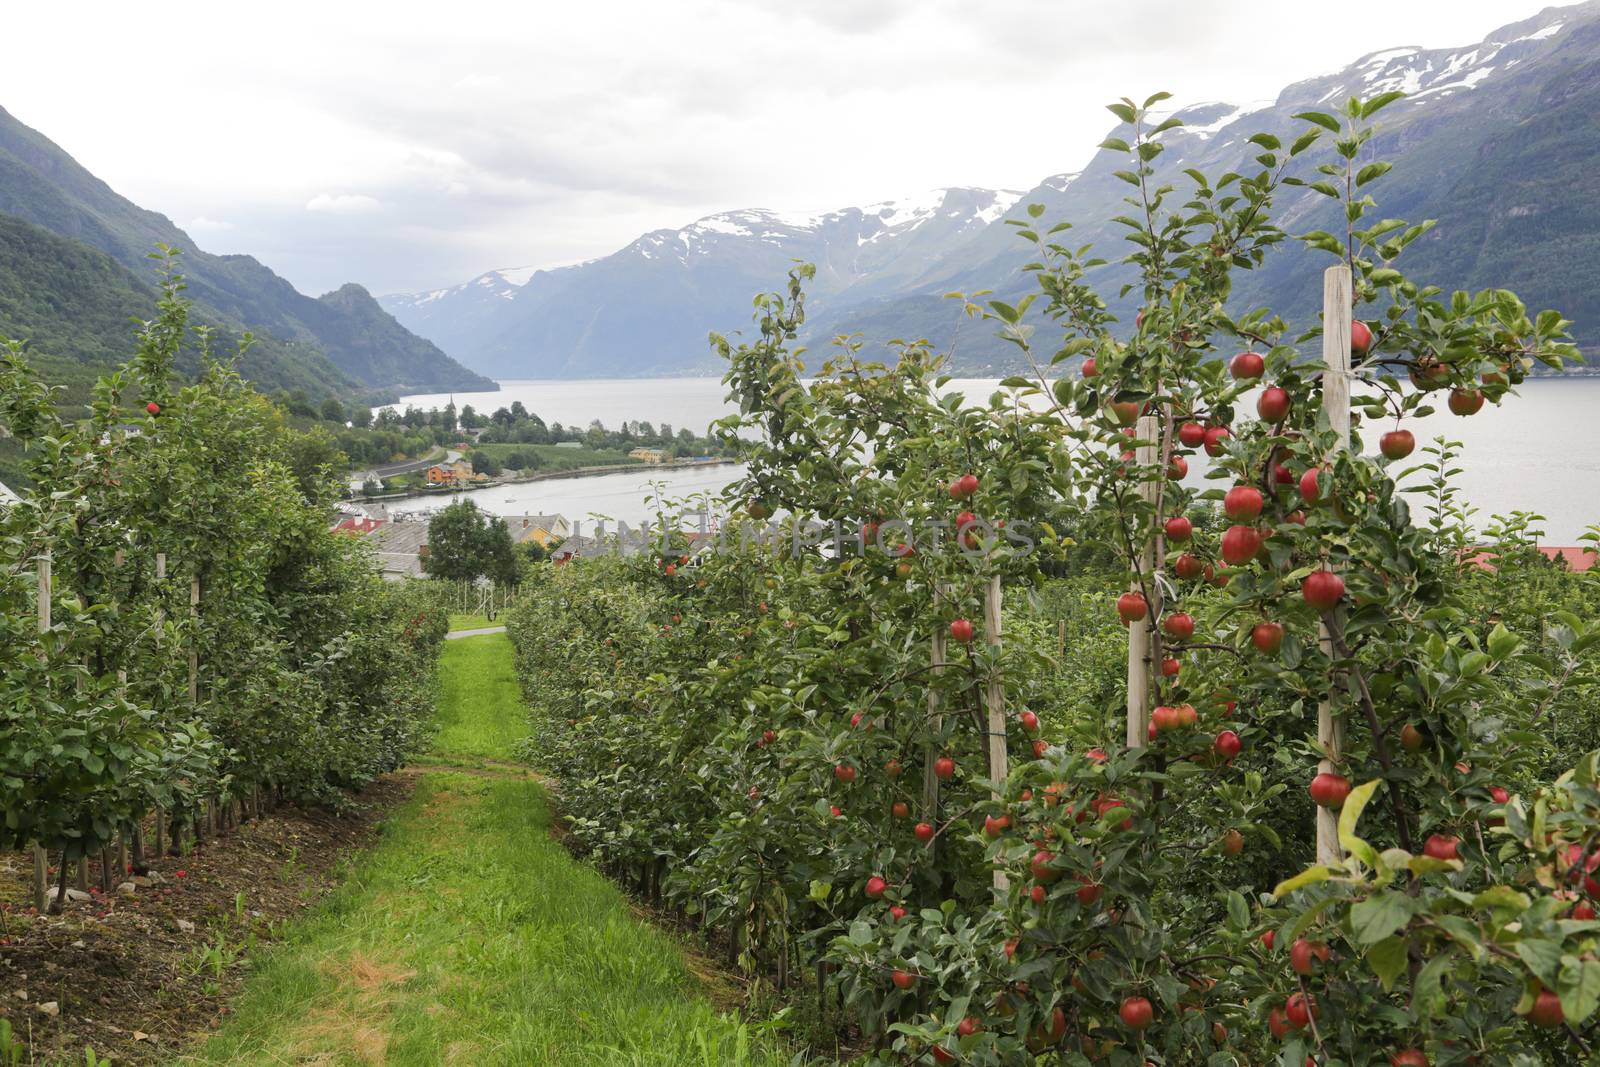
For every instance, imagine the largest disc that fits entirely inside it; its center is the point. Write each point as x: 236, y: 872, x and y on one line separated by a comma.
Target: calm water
x: 1531, y: 454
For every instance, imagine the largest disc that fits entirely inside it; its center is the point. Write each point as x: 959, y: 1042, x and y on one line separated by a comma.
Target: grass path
x: 468, y: 936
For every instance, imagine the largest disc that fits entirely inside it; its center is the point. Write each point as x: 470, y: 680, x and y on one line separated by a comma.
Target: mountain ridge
x: 1471, y: 111
x: 338, y: 343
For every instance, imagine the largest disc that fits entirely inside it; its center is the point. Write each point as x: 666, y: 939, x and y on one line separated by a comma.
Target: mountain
x: 1499, y: 141
x: 341, y: 343
x: 648, y: 308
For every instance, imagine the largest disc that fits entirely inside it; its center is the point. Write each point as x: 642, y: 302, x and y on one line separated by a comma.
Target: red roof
x: 360, y: 527
x: 1575, y: 557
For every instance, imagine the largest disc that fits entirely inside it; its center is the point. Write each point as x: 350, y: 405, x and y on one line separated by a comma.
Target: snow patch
x: 1469, y: 82
x: 1228, y: 119
x: 1544, y: 34
x: 517, y: 276
x: 1378, y: 59
x: 1004, y: 201
x: 720, y: 224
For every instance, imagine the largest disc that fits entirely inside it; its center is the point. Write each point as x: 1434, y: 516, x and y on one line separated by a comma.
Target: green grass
x: 471, y: 622
x: 469, y: 936
x: 554, y: 458
x: 480, y: 707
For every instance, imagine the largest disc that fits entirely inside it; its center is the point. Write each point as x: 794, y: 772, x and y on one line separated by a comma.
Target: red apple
x: 1038, y: 894
x: 844, y: 772
x: 1132, y: 607
x: 1299, y: 1009
x: 1328, y: 790
x: 876, y: 886
x: 923, y: 832
x: 1215, y: 440
x: 1240, y: 544
x: 1233, y: 842
x: 1411, y: 738
x: 1441, y: 847
x: 153, y: 408
x: 900, y: 810
x: 1360, y: 338
x: 1125, y: 411
x: 1170, y: 667
x: 1267, y: 637
x: 968, y: 1026
x: 1179, y: 625
x: 1136, y: 1012
x: 1273, y: 405
x: 1192, y: 434
x: 1228, y: 745
x: 965, y: 519
x: 1177, y: 468
x: 1247, y: 365
x: 1397, y: 444
x: 961, y: 630
x: 944, y: 768
x: 1546, y: 1012
x: 893, y: 768
x: 1304, y: 955
x: 1030, y: 722
x: 1466, y: 401
x: 1089, y: 370
x: 1411, y: 1057
x: 1269, y: 939
x: 964, y: 486
x: 904, y: 979
x: 1310, y: 487
x: 1041, y: 869
x: 1322, y: 589
x: 1242, y: 503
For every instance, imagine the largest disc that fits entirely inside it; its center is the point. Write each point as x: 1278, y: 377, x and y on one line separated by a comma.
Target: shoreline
x: 542, y: 476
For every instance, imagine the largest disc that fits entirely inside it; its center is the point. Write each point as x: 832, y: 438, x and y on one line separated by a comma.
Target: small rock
x: 127, y: 889
x: 21, y: 994
x: 185, y: 926
x: 145, y: 881
x: 74, y: 896
x: 50, y: 1007
x: 79, y: 944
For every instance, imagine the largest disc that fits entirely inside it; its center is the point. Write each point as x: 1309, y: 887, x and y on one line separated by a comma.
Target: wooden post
x: 41, y: 860
x: 995, y: 702
x: 1139, y: 666
x: 1337, y: 306
x: 194, y: 642
x: 161, y: 618
x: 936, y: 660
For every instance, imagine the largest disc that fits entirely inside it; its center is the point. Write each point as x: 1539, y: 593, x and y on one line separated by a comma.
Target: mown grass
x: 480, y: 706
x: 459, y: 621
x: 469, y: 936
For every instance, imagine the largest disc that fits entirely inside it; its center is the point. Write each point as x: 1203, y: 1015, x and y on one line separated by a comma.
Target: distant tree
x: 532, y: 551
x: 470, y: 419
x: 361, y: 416
x: 332, y: 410
x: 518, y: 412
x: 666, y: 431
x: 299, y: 404
x: 503, y: 417
x: 371, y: 487
x: 521, y: 461
x: 483, y: 463
x: 414, y: 418
x: 464, y: 543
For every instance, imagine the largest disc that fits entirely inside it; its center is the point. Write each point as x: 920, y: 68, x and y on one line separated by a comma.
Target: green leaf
x: 1578, y: 985
x: 1380, y: 916
x: 1125, y: 112
x: 1542, y: 957
x: 1387, y: 959
x: 1372, y: 171
x: 1309, y: 876
x: 1326, y: 121
x: 1379, y: 102
x: 1238, y: 911
x: 1349, y: 815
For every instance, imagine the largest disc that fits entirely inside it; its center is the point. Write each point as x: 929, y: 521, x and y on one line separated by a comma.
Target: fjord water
x: 1533, y: 453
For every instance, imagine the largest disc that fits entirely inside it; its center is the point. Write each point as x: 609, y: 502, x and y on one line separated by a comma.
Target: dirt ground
x: 138, y: 976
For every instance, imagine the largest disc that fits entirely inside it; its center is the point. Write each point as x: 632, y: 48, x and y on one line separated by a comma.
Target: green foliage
x: 310, y: 673
x: 746, y: 722
x: 464, y: 544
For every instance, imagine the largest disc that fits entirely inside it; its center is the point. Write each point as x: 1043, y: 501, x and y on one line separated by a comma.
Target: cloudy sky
x: 407, y: 146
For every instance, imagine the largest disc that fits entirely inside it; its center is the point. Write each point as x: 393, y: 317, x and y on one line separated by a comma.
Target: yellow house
x: 540, y: 528
x: 648, y: 455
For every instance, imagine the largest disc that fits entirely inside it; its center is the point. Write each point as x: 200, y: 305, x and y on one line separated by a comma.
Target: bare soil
x: 137, y: 977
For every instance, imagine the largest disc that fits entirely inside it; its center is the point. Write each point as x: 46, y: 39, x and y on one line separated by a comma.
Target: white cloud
x: 545, y: 133
x: 343, y: 204
x: 201, y: 224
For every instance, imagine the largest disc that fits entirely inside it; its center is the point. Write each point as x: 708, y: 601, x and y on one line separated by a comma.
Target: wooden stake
x: 1337, y: 306
x: 995, y: 702
x: 41, y: 860
x: 936, y: 660
x: 194, y: 642
x: 1139, y: 665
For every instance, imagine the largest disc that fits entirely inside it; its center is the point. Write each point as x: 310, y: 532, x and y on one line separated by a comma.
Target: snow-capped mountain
x: 649, y: 307
x: 1496, y: 140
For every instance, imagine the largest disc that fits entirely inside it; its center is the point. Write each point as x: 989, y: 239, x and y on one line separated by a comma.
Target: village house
x: 648, y: 455
x: 542, y: 529
x: 457, y: 473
